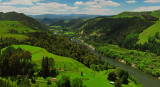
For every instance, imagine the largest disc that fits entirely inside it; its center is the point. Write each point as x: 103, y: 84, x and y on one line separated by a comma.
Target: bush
x: 64, y: 82
x: 112, y: 76
x: 77, y: 83
x: 118, y: 83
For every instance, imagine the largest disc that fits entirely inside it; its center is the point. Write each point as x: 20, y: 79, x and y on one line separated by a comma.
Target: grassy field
x: 72, y: 68
x: 5, y: 26
x: 143, y: 37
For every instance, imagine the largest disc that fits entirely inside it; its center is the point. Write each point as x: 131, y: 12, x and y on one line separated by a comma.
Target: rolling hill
x: 104, y: 29
x: 131, y: 14
x: 16, y: 25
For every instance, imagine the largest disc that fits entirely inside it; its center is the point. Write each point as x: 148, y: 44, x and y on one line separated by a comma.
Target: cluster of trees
x: 48, y: 67
x: 150, y: 18
x: 153, y: 44
x: 13, y: 31
x: 66, y: 82
x: 119, y: 77
x: 129, y: 42
x: 15, y: 62
x: 65, y: 47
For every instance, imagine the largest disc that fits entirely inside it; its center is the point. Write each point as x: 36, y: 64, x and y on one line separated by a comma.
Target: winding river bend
x: 145, y: 79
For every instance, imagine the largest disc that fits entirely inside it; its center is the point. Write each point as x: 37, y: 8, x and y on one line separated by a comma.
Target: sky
x: 92, y: 7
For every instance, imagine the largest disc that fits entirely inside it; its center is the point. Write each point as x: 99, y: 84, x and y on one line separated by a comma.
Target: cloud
x: 21, y: 2
x: 35, y: 7
x: 152, y: 8
x: 78, y: 3
x: 152, y: 1
x: 41, y: 8
x: 133, y: 1
x: 97, y: 2
x: 109, y: 3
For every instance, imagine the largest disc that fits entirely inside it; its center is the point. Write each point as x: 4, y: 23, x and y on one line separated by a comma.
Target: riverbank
x: 145, y: 79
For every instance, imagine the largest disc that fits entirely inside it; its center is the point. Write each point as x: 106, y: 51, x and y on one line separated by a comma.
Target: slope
x: 104, y: 29
x: 14, y: 29
x: 132, y: 14
x: 143, y: 37
x: 23, y: 19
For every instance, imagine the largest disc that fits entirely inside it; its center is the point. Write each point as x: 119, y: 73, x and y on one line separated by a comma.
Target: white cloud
x: 152, y: 1
x: 98, y: 2
x: 109, y: 3
x: 36, y: 8
x: 133, y: 1
x: 21, y: 2
x: 78, y: 3
x: 152, y: 8
x: 41, y: 8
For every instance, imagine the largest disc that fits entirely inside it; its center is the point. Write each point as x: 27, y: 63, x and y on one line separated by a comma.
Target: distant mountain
x: 65, y: 16
x: 53, y: 18
x: 73, y: 24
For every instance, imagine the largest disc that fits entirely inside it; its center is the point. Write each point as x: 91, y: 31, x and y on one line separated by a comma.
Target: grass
x: 72, y: 68
x: 143, y: 37
x: 55, y: 26
x: 17, y: 36
x: 5, y: 26
x: 69, y: 33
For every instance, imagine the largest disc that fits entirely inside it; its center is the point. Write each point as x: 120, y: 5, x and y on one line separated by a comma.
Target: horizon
x: 88, y: 7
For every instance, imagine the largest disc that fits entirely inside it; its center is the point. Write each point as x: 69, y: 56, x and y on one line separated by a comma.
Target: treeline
x: 150, y: 18
x: 65, y: 47
x: 130, y: 42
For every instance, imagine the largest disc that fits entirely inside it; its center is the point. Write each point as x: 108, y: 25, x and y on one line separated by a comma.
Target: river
x: 145, y: 79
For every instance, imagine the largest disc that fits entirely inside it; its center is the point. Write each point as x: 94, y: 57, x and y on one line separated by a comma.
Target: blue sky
x: 94, y: 7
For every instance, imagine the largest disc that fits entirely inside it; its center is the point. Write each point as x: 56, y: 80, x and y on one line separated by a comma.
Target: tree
x: 45, y: 67
x: 77, y: 83
x: 14, y: 64
x: 112, y: 76
x: 118, y: 83
x: 64, y: 82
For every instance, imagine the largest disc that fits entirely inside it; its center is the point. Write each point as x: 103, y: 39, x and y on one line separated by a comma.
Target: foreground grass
x: 143, y: 37
x: 72, y: 68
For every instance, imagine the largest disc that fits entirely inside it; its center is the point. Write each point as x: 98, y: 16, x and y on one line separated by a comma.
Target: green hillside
x: 70, y: 67
x: 23, y: 19
x: 132, y: 14
x: 143, y: 37
x: 14, y: 29
x: 16, y: 25
x: 113, y: 29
